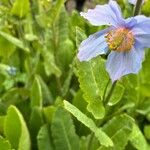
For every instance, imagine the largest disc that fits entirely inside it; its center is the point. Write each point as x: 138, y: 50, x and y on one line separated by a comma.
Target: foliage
x: 51, y: 101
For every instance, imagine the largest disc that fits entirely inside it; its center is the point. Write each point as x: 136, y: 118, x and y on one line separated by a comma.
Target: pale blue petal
x: 143, y: 40
x: 141, y: 31
x: 93, y: 46
x: 142, y: 26
x: 108, y: 14
x: 130, y: 22
x: 123, y: 63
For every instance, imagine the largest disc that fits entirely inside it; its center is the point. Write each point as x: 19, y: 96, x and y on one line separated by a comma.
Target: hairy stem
x: 137, y: 7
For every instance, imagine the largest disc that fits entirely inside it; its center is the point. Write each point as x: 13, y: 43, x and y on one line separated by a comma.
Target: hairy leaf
x: 101, y: 136
x: 44, y: 138
x: 63, y: 131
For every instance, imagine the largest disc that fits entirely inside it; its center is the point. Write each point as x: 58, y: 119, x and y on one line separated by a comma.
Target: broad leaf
x: 44, y: 138
x: 4, y: 144
x: 20, y: 9
x: 119, y: 130
x: 93, y: 82
x: 63, y: 131
x: 14, y: 121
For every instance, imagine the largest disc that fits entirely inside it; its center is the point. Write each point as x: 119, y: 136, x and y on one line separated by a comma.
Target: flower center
x: 120, y: 40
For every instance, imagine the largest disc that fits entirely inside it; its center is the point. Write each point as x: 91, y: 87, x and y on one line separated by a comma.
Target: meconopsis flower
x: 125, y: 39
x: 134, y: 1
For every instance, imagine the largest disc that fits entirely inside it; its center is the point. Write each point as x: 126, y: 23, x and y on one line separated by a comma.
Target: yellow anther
x: 120, y: 39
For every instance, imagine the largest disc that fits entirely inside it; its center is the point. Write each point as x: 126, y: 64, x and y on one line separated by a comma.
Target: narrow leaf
x: 14, y: 41
x: 101, y: 136
x: 36, y: 93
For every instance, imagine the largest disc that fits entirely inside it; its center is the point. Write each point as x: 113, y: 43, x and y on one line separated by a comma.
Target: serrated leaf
x: 14, y: 121
x: 4, y: 144
x: 80, y: 36
x: 44, y: 138
x: 88, y: 122
x: 36, y: 93
x: 14, y: 41
x: 137, y: 139
x: 118, y: 129
x: 93, y: 81
x: 63, y: 131
x: 20, y: 9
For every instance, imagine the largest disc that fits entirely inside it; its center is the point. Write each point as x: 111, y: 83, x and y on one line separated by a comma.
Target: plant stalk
x: 137, y: 7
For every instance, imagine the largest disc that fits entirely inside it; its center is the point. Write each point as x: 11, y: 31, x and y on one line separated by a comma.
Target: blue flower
x: 133, y: 1
x: 125, y: 39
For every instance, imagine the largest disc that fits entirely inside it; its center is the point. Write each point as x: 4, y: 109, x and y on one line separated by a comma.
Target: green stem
x: 110, y: 93
x: 105, y: 103
x: 137, y: 7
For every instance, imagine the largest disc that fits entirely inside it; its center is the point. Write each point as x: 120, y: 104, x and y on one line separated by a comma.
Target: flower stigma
x: 121, y: 39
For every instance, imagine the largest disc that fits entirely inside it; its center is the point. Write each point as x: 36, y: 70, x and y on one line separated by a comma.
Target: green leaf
x: 116, y: 95
x: 6, y: 48
x: 36, y: 121
x: 118, y: 129
x: 20, y: 9
x: 49, y: 63
x: 44, y: 138
x: 96, y: 108
x: 137, y: 139
x: 93, y: 81
x: 46, y: 93
x: 4, y: 144
x: 48, y: 113
x: 99, y: 134
x: 14, y: 41
x: 79, y: 102
x: 15, y: 129
x: 36, y: 93
x: 80, y: 36
x: 2, y: 120
x: 63, y: 131
x: 147, y: 131
x: 55, y: 10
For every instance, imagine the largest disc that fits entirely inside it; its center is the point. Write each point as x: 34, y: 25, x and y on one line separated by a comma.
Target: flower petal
x: 93, y: 46
x: 142, y: 26
x: 123, y: 63
x: 108, y: 14
x: 141, y: 31
x: 143, y: 40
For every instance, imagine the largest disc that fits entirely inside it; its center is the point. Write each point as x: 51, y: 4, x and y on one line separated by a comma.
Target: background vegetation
x: 51, y: 101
